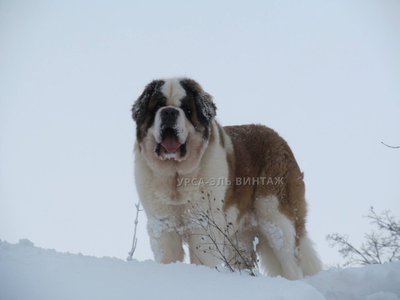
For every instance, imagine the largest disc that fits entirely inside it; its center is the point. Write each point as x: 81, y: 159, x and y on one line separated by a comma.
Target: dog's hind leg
x: 276, y: 229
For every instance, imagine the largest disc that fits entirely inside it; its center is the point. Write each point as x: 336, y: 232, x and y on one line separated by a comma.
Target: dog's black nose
x: 169, y: 116
x: 170, y: 112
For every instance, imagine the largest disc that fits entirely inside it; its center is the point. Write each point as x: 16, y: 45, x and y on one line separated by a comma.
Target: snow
x: 28, y: 272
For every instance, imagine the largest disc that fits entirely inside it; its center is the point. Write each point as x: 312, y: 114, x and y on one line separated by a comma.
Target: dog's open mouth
x: 170, y: 146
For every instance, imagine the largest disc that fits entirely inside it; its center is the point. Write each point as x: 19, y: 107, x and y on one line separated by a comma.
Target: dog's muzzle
x: 170, y: 147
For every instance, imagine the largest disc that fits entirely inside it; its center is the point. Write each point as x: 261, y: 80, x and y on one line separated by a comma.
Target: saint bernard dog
x: 234, y: 195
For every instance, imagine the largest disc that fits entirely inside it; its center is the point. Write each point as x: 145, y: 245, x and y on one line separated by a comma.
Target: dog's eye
x: 187, y: 110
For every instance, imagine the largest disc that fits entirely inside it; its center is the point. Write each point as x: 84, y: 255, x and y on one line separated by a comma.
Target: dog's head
x: 173, y: 124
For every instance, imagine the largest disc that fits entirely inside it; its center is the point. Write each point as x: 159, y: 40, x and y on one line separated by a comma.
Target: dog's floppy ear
x: 139, y: 108
x: 204, y: 103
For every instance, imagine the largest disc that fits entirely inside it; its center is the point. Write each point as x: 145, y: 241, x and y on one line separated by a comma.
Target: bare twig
x: 205, y: 218
x: 379, y: 246
x: 384, y: 221
x: 134, y: 240
x: 393, y: 147
x: 347, y: 249
x: 234, y: 246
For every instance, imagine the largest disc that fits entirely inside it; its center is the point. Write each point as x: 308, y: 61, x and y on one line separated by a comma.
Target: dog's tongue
x: 171, y: 144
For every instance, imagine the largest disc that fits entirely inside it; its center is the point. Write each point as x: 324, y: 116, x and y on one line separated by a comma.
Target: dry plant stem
x: 380, y: 246
x: 393, y: 147
x: 206, y: 220
x: 134, y: 240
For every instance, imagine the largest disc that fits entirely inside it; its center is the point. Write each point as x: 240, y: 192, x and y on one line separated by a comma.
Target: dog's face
x: 173, y: 119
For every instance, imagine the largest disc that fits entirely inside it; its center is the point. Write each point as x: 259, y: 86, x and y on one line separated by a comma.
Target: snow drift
x: 28, y: 272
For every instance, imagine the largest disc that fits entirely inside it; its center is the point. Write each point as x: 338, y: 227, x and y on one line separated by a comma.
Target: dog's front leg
x: 165, y: 242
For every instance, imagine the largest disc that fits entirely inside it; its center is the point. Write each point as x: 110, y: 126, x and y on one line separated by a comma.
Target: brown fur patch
x: 260, y: 152
x: 188, y: 103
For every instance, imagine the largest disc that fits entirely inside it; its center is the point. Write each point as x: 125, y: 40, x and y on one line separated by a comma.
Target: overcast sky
x: 324, y: 74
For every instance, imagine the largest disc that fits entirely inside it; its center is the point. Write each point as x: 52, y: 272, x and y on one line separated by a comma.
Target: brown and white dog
x: 207, y: 185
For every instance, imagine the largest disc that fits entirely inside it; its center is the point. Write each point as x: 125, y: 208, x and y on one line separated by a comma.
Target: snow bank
x: 28, y: 272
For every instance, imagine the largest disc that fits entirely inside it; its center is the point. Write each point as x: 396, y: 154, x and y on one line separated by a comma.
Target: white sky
x: 324, y: 74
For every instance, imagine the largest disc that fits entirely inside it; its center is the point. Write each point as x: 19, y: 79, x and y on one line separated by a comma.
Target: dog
x: 235, y: 195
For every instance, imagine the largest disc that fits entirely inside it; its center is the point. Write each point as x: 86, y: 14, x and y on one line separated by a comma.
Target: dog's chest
x: 176, y: 191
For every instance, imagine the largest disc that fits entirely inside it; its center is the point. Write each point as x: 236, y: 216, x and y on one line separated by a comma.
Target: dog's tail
x: 309, y: 260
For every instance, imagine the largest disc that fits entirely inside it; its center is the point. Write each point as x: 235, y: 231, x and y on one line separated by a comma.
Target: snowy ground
x: 28, y: 272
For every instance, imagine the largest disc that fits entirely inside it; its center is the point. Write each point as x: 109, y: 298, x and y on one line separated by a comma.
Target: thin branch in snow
x: 134, y: 240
